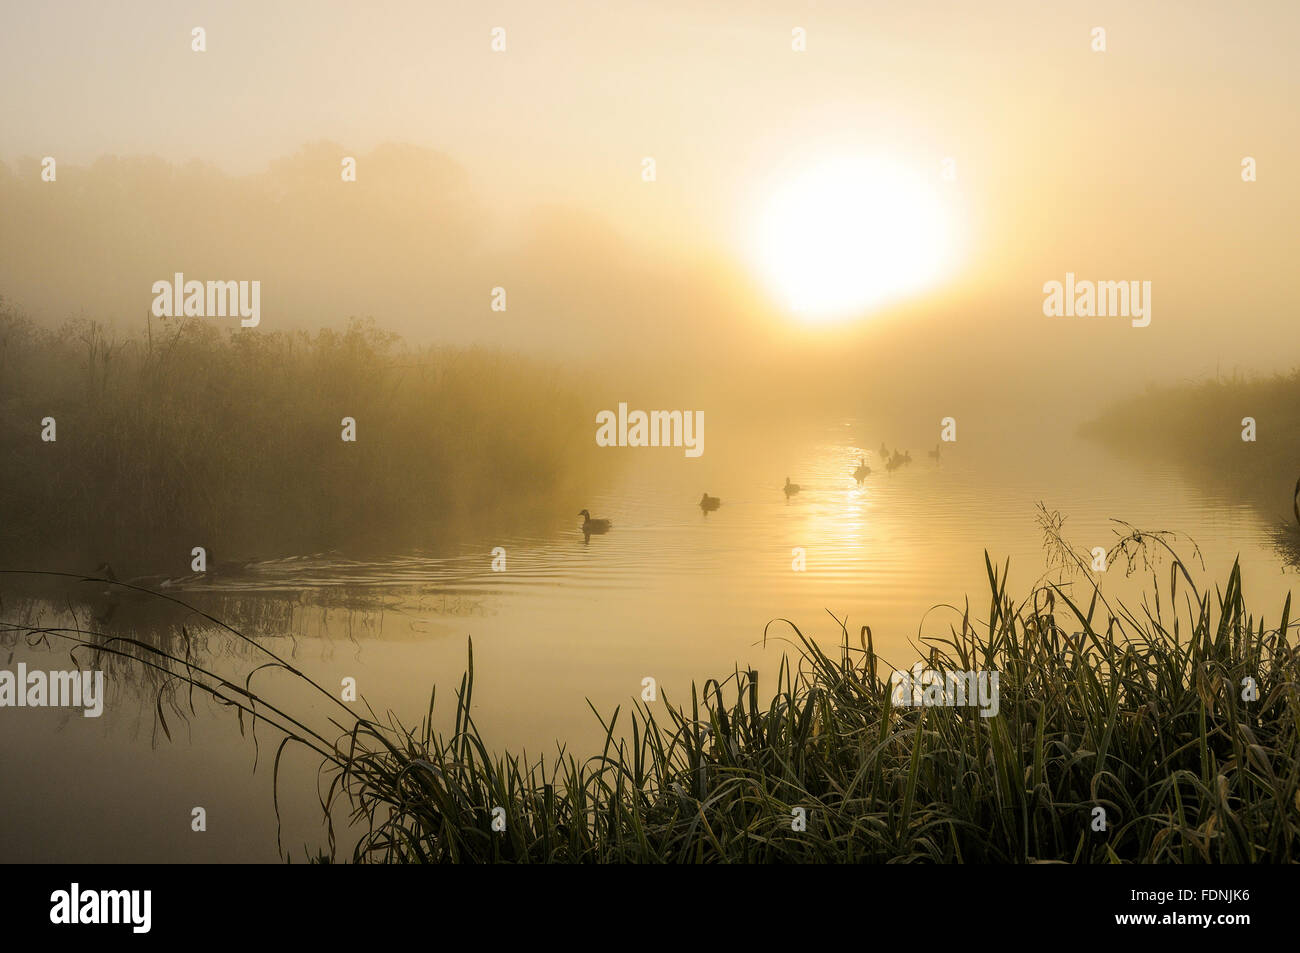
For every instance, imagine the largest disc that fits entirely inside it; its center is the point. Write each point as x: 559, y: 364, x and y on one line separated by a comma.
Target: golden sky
x: 1116, y: 165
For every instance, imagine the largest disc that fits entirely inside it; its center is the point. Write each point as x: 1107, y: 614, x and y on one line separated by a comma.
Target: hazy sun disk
x: 852, y: 234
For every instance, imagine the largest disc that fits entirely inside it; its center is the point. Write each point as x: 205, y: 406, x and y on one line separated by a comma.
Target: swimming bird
x: 709, y: 503
x: 884, y: 452
x: 862, y: 471
x: 591, y: 527
x: 790, y: 488
x: 907, y: 456
x: 105, y: 571
x: 214, y: 569
x: 893, y: 463
x: 934, y: 453
x: 132, y: 589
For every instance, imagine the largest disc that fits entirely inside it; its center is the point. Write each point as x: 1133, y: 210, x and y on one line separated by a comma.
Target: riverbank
x: 136, y: 449
x: 1238, y: 437
x: 1164, y: 734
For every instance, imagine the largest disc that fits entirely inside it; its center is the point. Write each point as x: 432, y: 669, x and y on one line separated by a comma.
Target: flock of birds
x: 590, y: 526
x: 892, y: 460
x: 598, y: 527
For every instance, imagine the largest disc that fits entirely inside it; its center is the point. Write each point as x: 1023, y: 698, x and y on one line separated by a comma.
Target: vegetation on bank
x: 1180, y: 719
x: 185, y: 435
x: 1198, y: 425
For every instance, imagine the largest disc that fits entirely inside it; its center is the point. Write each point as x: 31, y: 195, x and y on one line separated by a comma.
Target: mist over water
x: 669, y: 592
x: 816, y: 250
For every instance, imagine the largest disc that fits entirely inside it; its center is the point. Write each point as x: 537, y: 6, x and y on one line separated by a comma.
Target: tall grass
x: 181, y: 435
x: 1140, y: 712
x: 1197, y: 425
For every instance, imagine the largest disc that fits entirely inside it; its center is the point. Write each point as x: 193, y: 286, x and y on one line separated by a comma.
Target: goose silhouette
x: 709, y: 503
x: 934, y: 454
x: 162, y: 581
x: 862, y: 471
x: 591, y: 527
x: 1295, y: 503
x: 134, y: 589
x: 790, y: 489
x: 105, y: 571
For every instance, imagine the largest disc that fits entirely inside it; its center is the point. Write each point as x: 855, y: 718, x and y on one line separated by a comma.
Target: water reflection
x: 678, y: 591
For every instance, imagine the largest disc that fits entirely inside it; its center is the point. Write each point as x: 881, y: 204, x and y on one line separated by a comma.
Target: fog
x: 521, y: 170
x: 329, y: 330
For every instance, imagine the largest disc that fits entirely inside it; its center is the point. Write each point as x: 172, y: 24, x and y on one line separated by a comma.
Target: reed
x: 182, y: 435
x: 1198, y: 426
x: 1140, y: 712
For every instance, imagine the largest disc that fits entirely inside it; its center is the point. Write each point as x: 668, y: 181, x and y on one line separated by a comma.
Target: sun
x: 849, y: 235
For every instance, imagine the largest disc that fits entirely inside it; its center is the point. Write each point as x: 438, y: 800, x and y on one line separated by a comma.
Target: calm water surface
x: 669, y: 593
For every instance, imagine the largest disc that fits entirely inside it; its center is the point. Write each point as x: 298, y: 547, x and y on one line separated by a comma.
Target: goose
x: 907, y: 456
x: 709, y: 503
x: 222, y: 567
x: 105, y: 572
x: 934, y: 453
x: 133, y: 589
x: 790, y: 488
x: 884, y: 452
x: 1295, y: 503
x: 862, y: 471
x: 591, y: 527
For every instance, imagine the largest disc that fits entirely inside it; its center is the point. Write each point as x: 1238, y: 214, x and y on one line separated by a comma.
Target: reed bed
x: 181, y: 435
x: 1144, y: 713
x: 1199, y: 426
